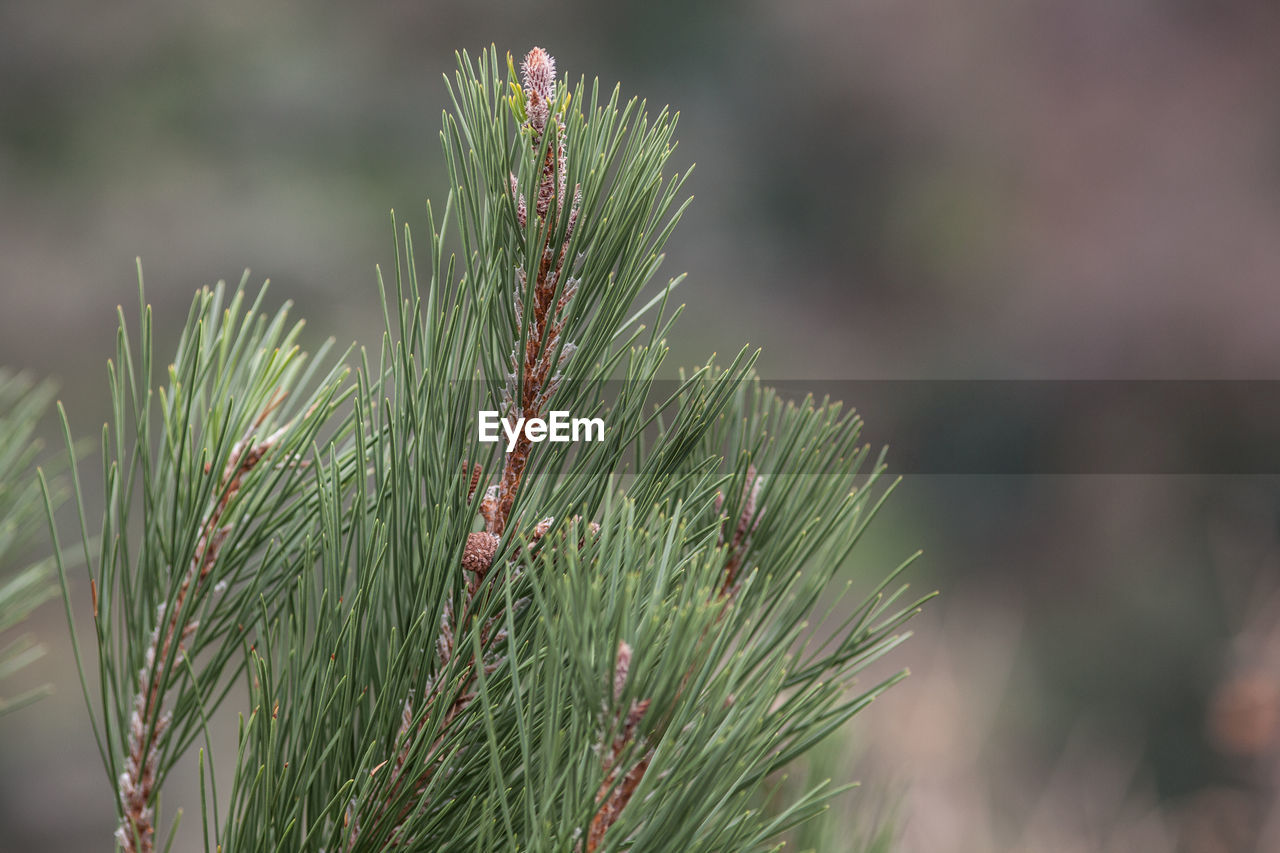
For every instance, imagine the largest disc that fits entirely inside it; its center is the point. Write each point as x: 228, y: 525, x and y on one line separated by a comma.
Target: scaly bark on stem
x: 614, y: 794
x: 147, y: 724
x: 542, y: 324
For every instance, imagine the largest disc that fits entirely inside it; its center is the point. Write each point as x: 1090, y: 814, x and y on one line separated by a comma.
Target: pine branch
x: 22, y: 405
x: 450, y: 647
x: 530, y: 385
x: 149, y: 723
x: 618, y: 787
x: 165, y: 637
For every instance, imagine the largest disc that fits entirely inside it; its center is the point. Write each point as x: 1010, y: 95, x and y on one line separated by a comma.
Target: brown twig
x: 615, y: 793
x: 533, y: 379
x: 542, y: 325
x: 748, y: 520
x: 147, y: 723
x: 477, y: 559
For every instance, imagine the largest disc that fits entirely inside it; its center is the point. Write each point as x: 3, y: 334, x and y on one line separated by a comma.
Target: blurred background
x: 885, y: 190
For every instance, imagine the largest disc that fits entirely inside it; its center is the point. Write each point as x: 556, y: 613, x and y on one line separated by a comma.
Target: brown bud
x: 489, y: 504
x: 540, y: 529
x: 538, y: 72
x: 476, y: 471
x: 477, y: 557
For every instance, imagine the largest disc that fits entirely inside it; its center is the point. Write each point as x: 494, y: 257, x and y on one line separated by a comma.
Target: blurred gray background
x: 885, y: 189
